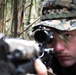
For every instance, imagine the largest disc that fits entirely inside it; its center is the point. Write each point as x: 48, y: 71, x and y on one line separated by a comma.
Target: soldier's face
x: 65, y: 51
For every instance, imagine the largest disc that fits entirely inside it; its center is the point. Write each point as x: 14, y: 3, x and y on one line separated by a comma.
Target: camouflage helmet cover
x: 53, y: 9
x: 60, y: 14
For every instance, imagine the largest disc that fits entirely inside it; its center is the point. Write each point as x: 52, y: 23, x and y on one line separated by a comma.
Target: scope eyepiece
x: 44, y: 36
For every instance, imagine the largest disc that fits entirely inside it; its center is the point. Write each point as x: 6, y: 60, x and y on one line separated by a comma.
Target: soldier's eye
x: 67, y: 36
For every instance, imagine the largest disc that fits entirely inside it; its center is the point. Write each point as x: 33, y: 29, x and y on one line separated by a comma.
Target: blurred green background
x: 17, y: 17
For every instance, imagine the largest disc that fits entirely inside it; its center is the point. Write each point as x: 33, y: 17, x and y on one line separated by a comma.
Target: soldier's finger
x: 40, y: 67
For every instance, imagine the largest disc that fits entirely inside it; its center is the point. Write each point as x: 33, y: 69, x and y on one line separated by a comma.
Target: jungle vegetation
x: 17, y: 17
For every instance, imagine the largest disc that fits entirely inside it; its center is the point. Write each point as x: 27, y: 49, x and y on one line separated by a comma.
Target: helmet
x: 59, y: 14
x: 53, y: 9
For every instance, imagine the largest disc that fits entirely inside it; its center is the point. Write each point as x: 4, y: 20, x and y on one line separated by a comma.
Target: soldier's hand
x: 40, y: 68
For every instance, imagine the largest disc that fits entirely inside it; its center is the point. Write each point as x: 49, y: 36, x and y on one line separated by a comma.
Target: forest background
x: 17, y: 17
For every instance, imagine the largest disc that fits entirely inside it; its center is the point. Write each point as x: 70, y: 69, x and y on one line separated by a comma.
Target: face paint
x: 63, y: 38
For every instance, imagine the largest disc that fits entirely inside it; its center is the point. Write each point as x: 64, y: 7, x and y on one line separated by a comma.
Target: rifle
x: 17, y: 55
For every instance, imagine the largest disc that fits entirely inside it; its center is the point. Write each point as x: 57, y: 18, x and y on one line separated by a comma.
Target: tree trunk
x: 21, y: 4
x: 2, y: 17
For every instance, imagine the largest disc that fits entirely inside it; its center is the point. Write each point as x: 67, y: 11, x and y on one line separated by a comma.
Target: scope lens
x: 40, y: 36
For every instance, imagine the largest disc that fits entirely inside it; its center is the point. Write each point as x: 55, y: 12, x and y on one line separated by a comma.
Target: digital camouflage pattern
x: 60, y: 24
x: 53, y: 9
x: 59, y: 14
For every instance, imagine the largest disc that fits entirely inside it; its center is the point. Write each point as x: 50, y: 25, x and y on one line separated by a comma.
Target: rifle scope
x: 44, y: 36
